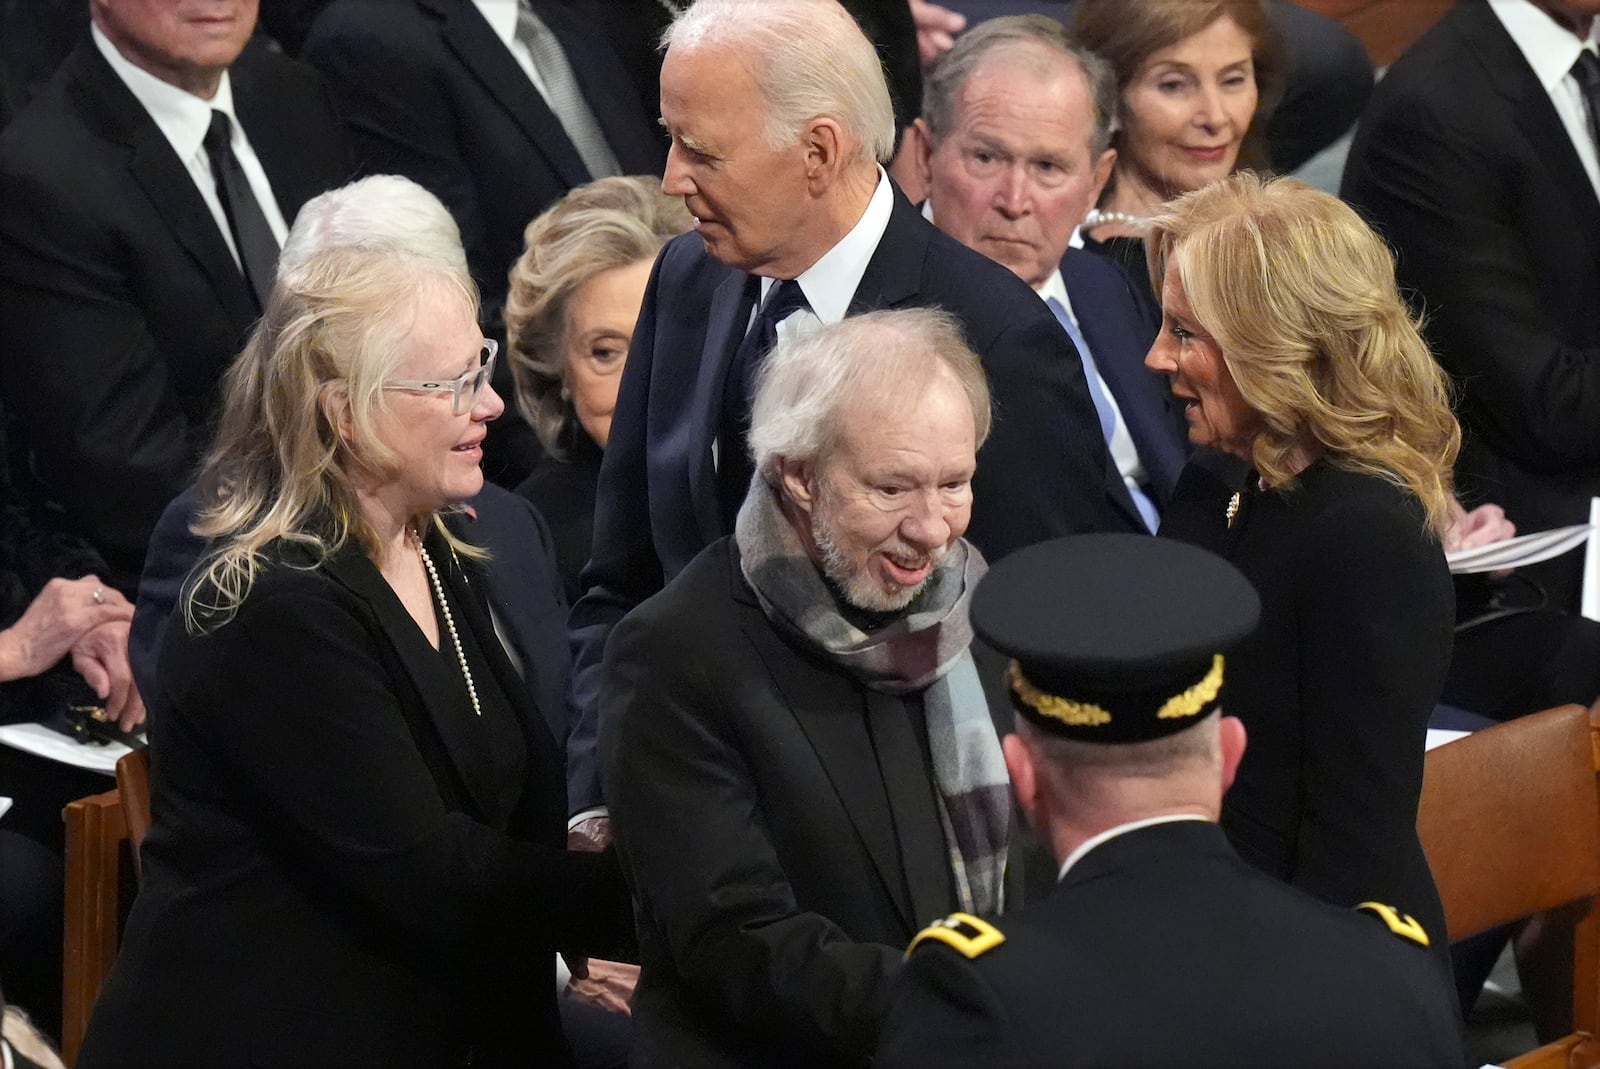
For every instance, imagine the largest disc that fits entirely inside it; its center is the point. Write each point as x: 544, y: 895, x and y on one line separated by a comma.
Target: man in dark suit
x: 1159, y: 945
x: 1014, y: 148
x: 1477, y: 161
x: 497, y: 107
x: 799, y: 753
x: 129, y: 274
x: 778, y: 161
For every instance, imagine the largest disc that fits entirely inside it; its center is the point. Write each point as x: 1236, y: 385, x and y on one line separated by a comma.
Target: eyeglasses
x: 464, y: 390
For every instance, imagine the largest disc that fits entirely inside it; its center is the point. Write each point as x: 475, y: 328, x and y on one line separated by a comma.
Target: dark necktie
x: 258, y: 248
x: 1586, y: 72
x: 734, y: 467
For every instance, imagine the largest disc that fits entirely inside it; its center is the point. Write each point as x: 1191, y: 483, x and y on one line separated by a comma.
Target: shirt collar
x: 1549, y: 48
x: 1055, y: 286
x: 181, y: 116
x: 1121, y: 829
x: 831, y: 282
x: 501, y: 15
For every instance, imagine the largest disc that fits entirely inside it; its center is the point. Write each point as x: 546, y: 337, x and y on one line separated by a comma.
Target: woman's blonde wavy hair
x: 280, y: 469
x: 608, y: 223
x: 1300, y: 295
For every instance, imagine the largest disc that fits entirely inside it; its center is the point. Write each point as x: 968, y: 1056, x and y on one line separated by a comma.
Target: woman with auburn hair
x: 574, y: 299
x: 1196, y: 82
x: 358, y: 847
x: 1285, y: 336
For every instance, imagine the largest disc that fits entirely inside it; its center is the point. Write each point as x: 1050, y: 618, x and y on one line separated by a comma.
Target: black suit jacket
x: 778, y: 824
x: 120, y: 305
x: 1162, y: 948
x: 1044, y: 471
x: 430, y: 92
x: 1120, y: 326
x: 332, y: 877
x: 1462, y: 163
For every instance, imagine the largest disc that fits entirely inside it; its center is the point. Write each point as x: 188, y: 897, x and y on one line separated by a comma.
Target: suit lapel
x: 597, y: 76
x: 1112, y: 332
x: 1508, y: 72
x: 111, y: 109
x: 832, y: 715
x: 274, y: 140
x: 473, y: 40
x: 894, y: 274
x: 731, y: 303
x: 468, y: 747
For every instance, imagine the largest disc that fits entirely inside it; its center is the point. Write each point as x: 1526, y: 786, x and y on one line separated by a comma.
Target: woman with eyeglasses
x: 358, y: 849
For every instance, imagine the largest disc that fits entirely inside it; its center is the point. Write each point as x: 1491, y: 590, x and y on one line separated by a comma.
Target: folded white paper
x: 42, y: 742
x: 1516, y: 552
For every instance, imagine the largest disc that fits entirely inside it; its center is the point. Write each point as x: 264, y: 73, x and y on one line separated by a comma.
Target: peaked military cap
x: 1114, y: 637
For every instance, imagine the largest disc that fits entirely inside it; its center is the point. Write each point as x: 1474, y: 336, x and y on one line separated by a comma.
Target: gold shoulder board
x: 1401, y: 924
x: 969, y: 935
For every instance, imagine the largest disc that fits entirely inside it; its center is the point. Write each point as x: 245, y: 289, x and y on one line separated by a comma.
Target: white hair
x: 380, y: 211
x: 809, y: 59
x: 805, y: 382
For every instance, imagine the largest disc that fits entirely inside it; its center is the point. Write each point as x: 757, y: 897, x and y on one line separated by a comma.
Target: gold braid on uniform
x: 1196, y: 697
x: 1078, y: 714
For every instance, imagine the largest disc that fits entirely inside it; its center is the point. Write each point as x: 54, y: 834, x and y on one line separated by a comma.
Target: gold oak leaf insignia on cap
x: 1402, y: 924
x: 969, y: 936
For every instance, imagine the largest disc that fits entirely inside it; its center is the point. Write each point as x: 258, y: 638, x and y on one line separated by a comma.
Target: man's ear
x: 1024, y: 777
x: 796, y: 479
x: 1102, y: 173
x: 825, y: 147
x: 1231, y: 736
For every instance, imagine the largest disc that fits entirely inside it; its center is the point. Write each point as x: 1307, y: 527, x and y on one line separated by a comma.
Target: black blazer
x: 564, y: 491
x: 1120, y: 327
x: 1044, y: 471
x: 120, y: 305
x: 1462, y: 163
x: 1162, y: 948
x: 430, y: 92
x: 330, y: 878
x: 778, y: 824
x: 1336, y: 685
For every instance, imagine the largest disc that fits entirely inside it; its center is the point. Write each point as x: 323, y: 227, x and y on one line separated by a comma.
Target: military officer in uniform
x: 1158, y: 946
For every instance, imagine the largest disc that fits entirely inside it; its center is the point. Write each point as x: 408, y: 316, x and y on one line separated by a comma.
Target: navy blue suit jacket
x: 429, y: 91
x: 1045, y: 470
x: 1120, y: 326
x: 524, y: 590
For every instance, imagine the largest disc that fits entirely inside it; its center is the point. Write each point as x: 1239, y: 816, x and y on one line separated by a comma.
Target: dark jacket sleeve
x: 693, y: 839
x: 943, y: 1012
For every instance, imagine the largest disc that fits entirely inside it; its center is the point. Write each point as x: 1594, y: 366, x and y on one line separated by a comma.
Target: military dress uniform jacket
x: 1161, y: 947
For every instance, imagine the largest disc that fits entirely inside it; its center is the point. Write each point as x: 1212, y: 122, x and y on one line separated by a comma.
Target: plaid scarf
x: 924, y: 650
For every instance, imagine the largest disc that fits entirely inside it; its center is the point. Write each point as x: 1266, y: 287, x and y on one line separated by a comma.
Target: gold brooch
x: 1233, y: 506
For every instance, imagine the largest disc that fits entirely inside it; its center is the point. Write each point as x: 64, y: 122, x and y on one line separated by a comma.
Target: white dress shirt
x: 501, y: 15
x: 184, y: 119
x: 831, y: 282
x: 1551, y: 50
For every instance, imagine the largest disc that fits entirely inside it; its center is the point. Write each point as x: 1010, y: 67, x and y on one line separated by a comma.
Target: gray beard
x: 856, y: 585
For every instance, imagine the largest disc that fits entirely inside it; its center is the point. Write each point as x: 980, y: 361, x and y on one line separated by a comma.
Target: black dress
x: 1336, y: 685
x: 563, y: 490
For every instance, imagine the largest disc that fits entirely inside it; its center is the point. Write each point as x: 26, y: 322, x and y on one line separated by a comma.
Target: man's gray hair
x: 882, y: 357
x: 380, y: 211
x: 1019, y: 37
x: 809, y: 59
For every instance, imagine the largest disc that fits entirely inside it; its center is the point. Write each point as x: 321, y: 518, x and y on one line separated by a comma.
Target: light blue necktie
x: 1102, y: 407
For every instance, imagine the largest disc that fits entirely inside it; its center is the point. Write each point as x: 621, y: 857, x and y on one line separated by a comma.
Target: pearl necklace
x: 450, y: 625
x: 1096, y: 217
